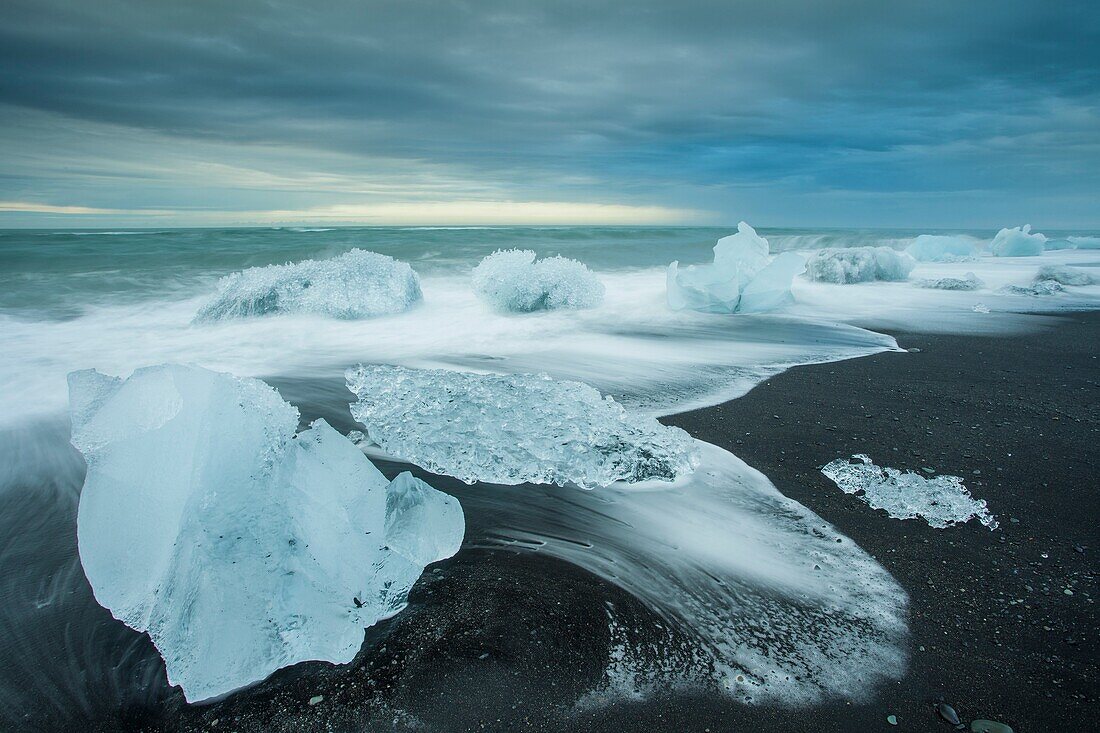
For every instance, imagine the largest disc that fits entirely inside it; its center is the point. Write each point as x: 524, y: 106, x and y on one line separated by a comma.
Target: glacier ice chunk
x: 940, y: 500
x: 942, y: 248
x: 859, y: 264
x: 1066, y: 275
x: 969, y: 282
x: 513, y: 429
x: 742, y: 279
x: 356, y: 284
x: 1058, y: 244
x: 513, y: 281
x: 1018, y: 242
x: 1085, y: 242
x: 237, y: 545
x: 1041, y: 288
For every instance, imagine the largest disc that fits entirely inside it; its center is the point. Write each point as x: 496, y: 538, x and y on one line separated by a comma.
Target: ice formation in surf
x: 514, y: 281
x: 513, y: 429
x: 1066, y: 275
x: 1018, y: 242
x: 1041, y: 288
x: 859, y: 264
x: 1085, y: 242
x: 1059, y: 243
x: 239, y: 546
x: 357, y: 284
x: 940, y: 500
x: 941, y: 248
x: 742, y: 279
x: 773, y: 603
x: 969, y: 282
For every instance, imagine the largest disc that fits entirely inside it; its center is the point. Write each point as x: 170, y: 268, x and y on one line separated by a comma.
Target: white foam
x: 776, y: 604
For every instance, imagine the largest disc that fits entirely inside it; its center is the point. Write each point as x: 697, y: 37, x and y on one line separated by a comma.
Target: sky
x: 838, y: 113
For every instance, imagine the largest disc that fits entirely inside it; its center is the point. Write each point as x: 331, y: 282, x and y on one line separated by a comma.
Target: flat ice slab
x: 237, y: 545
x: 513, y: 429
x: 940, y: 500
x: 356, y: 284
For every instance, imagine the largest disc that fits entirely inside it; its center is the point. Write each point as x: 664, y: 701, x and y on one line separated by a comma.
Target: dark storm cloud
x: 573, y: 97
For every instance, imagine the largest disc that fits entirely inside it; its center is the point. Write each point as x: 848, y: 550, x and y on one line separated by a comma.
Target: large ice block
x: 743, y: 277
x: 859, y: 264
x: 237, y: 545
x: 356, y: 284
x: 514, y: 281
x: 1018, y: 242
x: 513, y: 429
x: 942, y: 248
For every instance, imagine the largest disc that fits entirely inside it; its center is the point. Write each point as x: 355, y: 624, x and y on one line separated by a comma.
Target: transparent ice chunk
x: 940, y: 500
x: 514, y: 281
x: 742, y: 278
x: 859, y: 264
x: 237, y: 545
x: 356, y: 284
x: 1018, y: 242
x: 942, y: 248
x: 513, y: 429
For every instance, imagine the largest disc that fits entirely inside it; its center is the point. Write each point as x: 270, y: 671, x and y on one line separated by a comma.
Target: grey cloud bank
x: 841, y: 113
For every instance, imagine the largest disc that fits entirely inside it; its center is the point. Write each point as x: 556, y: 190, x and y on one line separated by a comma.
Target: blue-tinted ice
x: 357, y: 284
x: 239, y: 546
x: 859, y: 264
x: 742, y: 279
x: 513, y: 429
x: 514, y: 281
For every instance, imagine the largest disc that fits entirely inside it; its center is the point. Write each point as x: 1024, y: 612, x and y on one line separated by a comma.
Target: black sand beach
x: 1003, y: 623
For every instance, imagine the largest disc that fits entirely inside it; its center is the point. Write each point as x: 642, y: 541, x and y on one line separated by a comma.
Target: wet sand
x: 498, y: 640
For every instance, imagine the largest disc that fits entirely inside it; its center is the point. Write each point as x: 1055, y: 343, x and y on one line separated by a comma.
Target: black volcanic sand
x: 1003, y: 623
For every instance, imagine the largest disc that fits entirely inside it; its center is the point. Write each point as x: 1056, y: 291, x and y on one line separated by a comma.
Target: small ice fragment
x: 941, y: 500
x: 938, y: 248
x: 970, y: 282
x: 514, y: 429
x: 1066, y: 275
x: 237, y: 545
x: 514, y: 281
x: 743, y: 278
x: 859, y: 264
x: 356, y: 284
x: 981, y: 308
x: 1018, y: 242
x: 1038, y: 289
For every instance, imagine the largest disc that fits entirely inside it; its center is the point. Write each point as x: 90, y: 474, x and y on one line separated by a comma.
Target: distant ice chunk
x: 513, y: 429
x: 356, y: 284
x: 742, y: 279
x: 941, y: 248
x: 1066, y: 275
x: 1041, y: 288
x: 941, y: 500
x: 970, y: 282
x: 859, y: 264
x: 513, y: 281
x: 237, y: 545
x: 1058, y: 244
x: 1085, y: 242
x: 1018, y: 242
